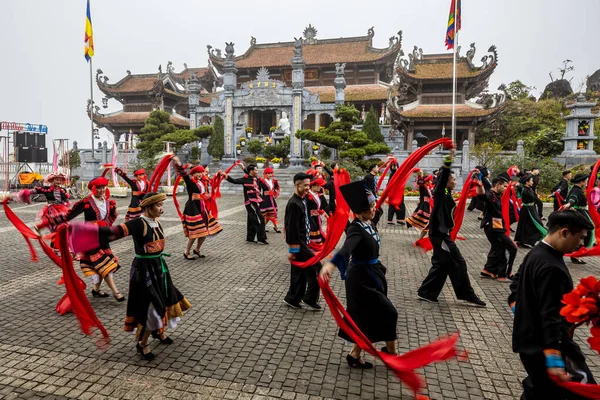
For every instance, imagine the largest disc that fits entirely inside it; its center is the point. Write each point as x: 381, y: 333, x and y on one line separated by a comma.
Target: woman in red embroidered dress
x: 99, y: 263
x: 198, y: 220
x: 270, y: 191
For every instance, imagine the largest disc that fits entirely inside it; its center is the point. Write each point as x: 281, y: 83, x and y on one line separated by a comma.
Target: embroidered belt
x: 138, y: 193
x: 196, y: 196
x: 269, y: 193
x: 163, y: 264
x: 580, y: 207
x: 529, y: 204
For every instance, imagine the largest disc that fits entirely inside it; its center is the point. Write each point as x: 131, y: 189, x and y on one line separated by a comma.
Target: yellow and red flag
x: 454, y: 20
x: 89, y: 35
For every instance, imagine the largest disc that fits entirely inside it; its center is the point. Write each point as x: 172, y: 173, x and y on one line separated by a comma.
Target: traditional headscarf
x: 198, y: 169
x: 100, y: 181
x: 152, y: 198
x: 268, y: 171
x: 140, y: 171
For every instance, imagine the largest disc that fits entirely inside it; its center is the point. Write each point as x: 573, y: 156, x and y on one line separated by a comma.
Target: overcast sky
x: 46, y: 78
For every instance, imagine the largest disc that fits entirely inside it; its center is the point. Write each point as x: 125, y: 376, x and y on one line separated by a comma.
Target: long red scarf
x: 594, y: 215
x: 403, y: 366
x: 336, y: 224
x: 459, y: 214
x: 159, y: 171
x: 395, y: 189
x: 74, y: 286
x: 386, y: 167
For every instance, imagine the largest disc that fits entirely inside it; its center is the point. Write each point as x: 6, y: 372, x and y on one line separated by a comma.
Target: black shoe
x: 385, y: 350
x: 148, y: 356
x: 475, y: 302
x: 166, y: 340
x: 292, y: 305
x: 99, y: 293
x: 263, y: 242
x: 526, y: 245
x: 277, y: 230
x: 355, y: 363
x: 119, y: 299
x: 251, y: 241
x: 577, y: 261
x: 427, y: 299
x: 188, y: 257
x: 487, y: 275
x: 401, y: 222
x: 196, y: 252
x: 390, y: 222
x: 314, y: 307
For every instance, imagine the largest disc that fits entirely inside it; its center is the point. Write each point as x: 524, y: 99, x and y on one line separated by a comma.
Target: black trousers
x: 304, y: 285
x: 556, y: 205
x: 539, y: 206
x: 376, y: 218
x: 400, y: 213
x: 497, y: 261
x: 539, y: 386
x: 472, y: 204
x: 255, y: 224
x: 446, y: 262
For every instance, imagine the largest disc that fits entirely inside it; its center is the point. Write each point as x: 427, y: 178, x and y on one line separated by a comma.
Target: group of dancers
x: 540, y: 336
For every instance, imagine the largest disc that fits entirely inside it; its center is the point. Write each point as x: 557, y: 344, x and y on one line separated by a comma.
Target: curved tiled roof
x: 146, y: 82
x: 445, y: 111
x: 330, y: 51
x: 352, y: 92
x: 139, y: 118
x: 442, y: 68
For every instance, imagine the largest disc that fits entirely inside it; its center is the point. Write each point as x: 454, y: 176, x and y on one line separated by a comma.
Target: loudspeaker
x: 40, y: 155
x: 40, y: 140
x: 25, y: 154
x: 21, y: 139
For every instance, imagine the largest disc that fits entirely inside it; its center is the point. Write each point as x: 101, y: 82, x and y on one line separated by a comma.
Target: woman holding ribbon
x: 366, y: 284
x: 530, y: 229
x: 270, y: 191
x: 198, y: 220
x: 154, y: 302
x: 139, y: 188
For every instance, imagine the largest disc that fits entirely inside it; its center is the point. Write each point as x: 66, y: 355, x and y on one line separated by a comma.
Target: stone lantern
x: 579, y: 133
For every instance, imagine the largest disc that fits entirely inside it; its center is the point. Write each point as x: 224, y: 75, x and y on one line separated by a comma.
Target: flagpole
x: 92, y: 105
x: 456, y: 19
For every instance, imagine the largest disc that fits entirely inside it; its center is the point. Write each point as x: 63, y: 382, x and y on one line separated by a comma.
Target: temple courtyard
x: 239, y: 341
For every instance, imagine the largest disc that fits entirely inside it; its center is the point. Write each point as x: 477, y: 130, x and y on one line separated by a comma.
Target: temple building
x: 423, y: 101
x: 195, y: 95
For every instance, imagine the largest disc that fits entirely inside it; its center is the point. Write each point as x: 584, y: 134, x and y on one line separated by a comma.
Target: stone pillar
x: 471, y: 134
x: 520, y: 148
x: 75, y: 145
x: 317, y: 122
x: 339, y: 83
x: 193, y: 87
x: 466, y: 156
x: 297, y: 89
x: 229, y: 84
x: 410, y: 135
x: 414, y: 146
x: 105, y: 152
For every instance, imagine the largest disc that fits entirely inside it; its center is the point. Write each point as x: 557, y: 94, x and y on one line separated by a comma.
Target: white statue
x: 284, y: 124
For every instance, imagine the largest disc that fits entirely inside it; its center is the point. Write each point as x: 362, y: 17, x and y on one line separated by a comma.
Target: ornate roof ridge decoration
x: 408, y: 65
x: 133, y: 117
x: 395, y: 43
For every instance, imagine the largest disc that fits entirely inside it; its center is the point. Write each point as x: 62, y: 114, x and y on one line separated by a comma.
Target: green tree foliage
x: 350, y: 143
x: 216, y: 145
x: 550, y: 171
x: 487, y: 154
x: 255, y: 147
x: 158, y: 129
x: 371, y: 127
x: 538, y: 124
x: 518, y: 90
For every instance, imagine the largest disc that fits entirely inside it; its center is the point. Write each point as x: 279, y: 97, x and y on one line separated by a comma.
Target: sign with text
x: 23, y: 127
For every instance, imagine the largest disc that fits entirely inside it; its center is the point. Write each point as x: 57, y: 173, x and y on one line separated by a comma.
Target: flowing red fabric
x: 560, y: 199
x: 175, y: 201
x: 159, y: 171
x: 505, y: 200
x: 395, y: 190
x: 403, y: 366
x: 79, y: 302
x: 336, y: 224
x: 595, y: 216
x: 21, y: 227
x: 459, y: 214
x: 386, y: 167
x: 587, y: 390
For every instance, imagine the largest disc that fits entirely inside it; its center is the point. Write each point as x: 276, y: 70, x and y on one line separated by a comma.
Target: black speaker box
x: 25, y: 154
x: 40, y: 155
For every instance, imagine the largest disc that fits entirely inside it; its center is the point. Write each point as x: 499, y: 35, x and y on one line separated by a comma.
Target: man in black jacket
x: 576, y: 200
x: 303, y: 282
x: 255, y: 224
x: 540, y: 334
x: 497, y: 265
x: 446, y: 260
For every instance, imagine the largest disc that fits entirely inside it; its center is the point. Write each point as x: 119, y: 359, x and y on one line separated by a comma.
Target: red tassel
x: 403, y: 366
x: 387, y: 166
x: 175, y: 201
x: 424, y: 244
x: 459, y: 211
x: 159, y: 171
x: 586, y: 390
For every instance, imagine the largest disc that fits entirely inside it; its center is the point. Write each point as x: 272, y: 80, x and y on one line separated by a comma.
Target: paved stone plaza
x: 239, y: 341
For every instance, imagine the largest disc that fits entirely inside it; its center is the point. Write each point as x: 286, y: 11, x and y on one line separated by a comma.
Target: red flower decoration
x: 582, y: 307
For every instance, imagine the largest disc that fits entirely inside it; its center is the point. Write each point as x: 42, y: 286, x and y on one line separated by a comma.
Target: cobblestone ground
x: 239, y: 341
